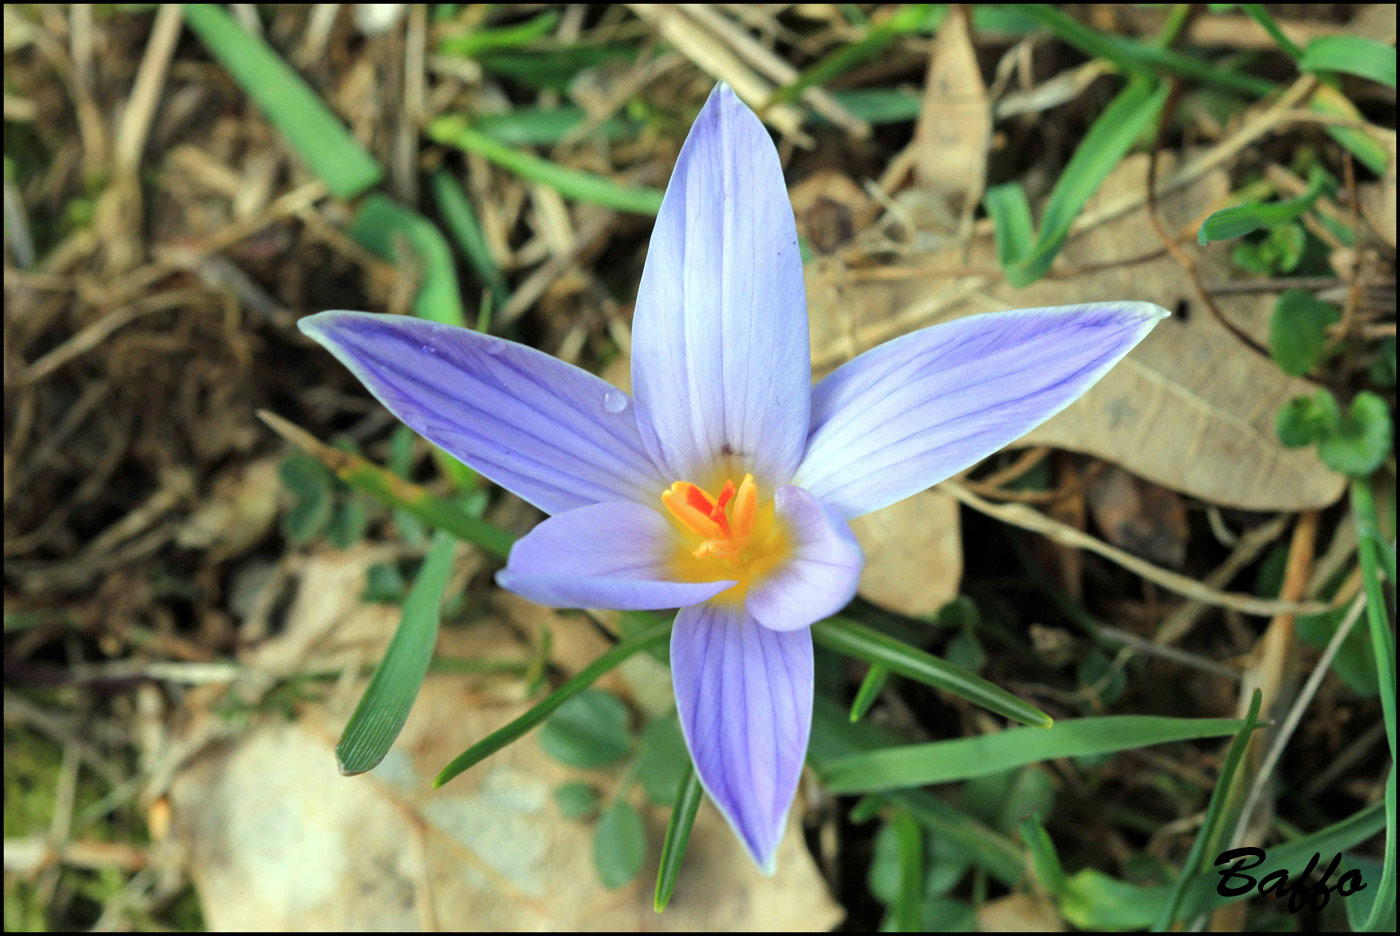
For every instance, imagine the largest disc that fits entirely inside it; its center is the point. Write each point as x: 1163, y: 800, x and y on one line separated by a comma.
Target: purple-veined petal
x: 601, y: 556
x: 819, y: 578
x: 721, y: 365
x: 915, y: 410
x: 550, y: 432
x: 744, y: 694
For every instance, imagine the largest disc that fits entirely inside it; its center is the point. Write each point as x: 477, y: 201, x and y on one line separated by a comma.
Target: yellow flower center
x: 724, y: 537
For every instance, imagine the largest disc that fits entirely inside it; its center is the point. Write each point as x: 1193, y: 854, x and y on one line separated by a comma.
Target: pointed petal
x: 744, y: 694
x: 820, y: 578
x: 601, y: 556
x: 910, y: 413
x: 550, y: 432
x: 720, y: 359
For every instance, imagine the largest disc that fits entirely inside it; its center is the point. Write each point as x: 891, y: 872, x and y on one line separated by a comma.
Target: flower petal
x: 601, y: 556
x: 820, y: 578
x: 744, y: 694
x: 552, y: 433
x: 913, y: 411
x: 720, y: 358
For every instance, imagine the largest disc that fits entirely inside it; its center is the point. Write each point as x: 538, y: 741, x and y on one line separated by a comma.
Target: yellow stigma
x: 724, y: 537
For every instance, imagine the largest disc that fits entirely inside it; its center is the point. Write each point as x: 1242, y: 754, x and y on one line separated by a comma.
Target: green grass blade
x: 683, y: 813
x: 1239, y: 220
x: 869, y: 691
x: 1215, y: 812
x: 856, y: 640
x: 312, y: 130
x: 547, y: 126
x: 1044, y: 860
x: 384, y: 707
x: 581, y: 680
x: 1108, y: 140
x: 503, y: 37
x: 388, y: 488
x: 1363, y: 506
x: 907, y: 19
x: 461, y: 222
x: 879, y: 106
x: 914, y: 765
x: 834, y: 738
x: 1139, y: 58
x: 1352, y: 55
x: 908, y: 907
x: 382, y: 223
x: 1271, y: 26
x: 570, y: 183
x: 1011, y: 216
x: 1363, y: 145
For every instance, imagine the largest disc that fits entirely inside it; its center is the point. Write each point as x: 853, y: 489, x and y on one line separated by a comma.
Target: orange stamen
x: 681, y: 501
x: 745, y: 507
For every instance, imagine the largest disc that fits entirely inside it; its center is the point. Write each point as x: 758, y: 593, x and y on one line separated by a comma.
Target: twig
x: 1066, y: 535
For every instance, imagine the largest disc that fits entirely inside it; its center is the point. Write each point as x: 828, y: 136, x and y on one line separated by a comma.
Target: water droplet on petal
x: 614, y: 401
x: 430, y: 349
x: 495, y: 346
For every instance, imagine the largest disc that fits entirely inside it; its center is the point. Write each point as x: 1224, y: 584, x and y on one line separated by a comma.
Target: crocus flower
x: 724, y: 485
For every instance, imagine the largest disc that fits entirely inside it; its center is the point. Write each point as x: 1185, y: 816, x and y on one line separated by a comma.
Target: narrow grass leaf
x: 1239, y: 220
x: 570, y: 183
x: 477, y: 41
x: 1363, y: 505
x: 835, y: 738
x: 1096, y: 901
x: 1105, y: 144
x: 905, y: 20
x: 677, y: 836
x: 1371, y: 152
x: 1353, y: 55
x: 960, y: 759
x: 582, y: 680
x: 312, y: 130
x: 908, y: 906
x: 388, y: 488
x: 384, y: 707
x: 1210, y: 829
x: 547, y: 126
x: 870, y: 688
x: 462, y: 224
x: 1045, y: 860
x: 1011, y: 216
x: 382, y: 225
x: 855, y: 640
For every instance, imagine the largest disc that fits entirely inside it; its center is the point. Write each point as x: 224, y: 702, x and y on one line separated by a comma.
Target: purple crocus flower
x: 724, y: 485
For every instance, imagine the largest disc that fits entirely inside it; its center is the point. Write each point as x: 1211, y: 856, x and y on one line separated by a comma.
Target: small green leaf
x: 1359, y: 443
x: 387, y: 700
x: 1298, y: 330
x: 1304, y: 420
x: 663, y: 759
x: 1011, y: 218
x: 348, y: 525
x: 304, y: 475
x: 578, y: 800
x: 384, y: 584
x: 960, y: 612
x: 308, y: 518
x: 589, y: 730
x: 619, y: 845
x: 965, y: 650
